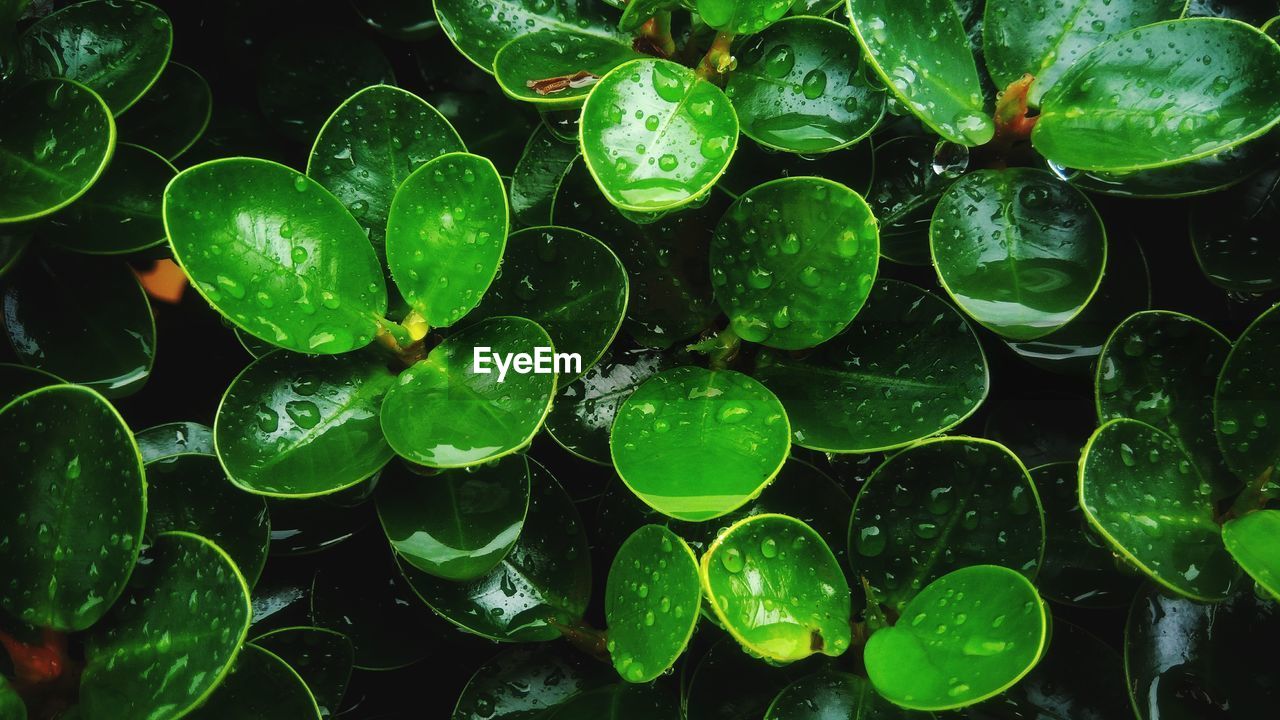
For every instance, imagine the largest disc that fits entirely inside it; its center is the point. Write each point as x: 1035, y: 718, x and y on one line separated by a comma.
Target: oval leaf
x: 1251, y: 540
x: 260, y: 686
x: 526, y: 681
x: 121, y: 214
x: 742, y: 17
x: 173, y: 114
x: 652, y: 603
x: 583, y: 412
x: 479, y: 32
x: 1245, y: 400
x: 322, y: 658
x: 832, y: 694
x: 1230, y: 238
x: 556, y: 69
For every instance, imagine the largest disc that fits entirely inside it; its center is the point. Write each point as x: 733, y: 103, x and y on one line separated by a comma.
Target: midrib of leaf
x: 862, y: 377
x: 54, y: 178
x: 281, y: 452
x: 518, y: 11
x: 923, y: 569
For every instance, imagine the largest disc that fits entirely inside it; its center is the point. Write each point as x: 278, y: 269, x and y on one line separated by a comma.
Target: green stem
x: 720, y: 349
x: 874, y: 617
x: 718, y: 59
x: 1254, y: 497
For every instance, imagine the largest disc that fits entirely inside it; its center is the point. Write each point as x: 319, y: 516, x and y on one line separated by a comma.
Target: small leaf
x: 448, y: 411
x: 260, y: 686
x: 120, y: 214
x: 1147, y: 498
x: 525, y: 681
x: 186, y: 615
x: 1020, y: 251
x: 583, y: 412
x: 968, y: 636
x: 273, y: 251
x: 556, y: 69
x: 296, y: 426
x: 1133, y: 102
x: 543, y: 165
x: 833, y: 694
x: 696, y: 444
x: 1244, y: 402
x: 742, y: 17
x: 480, y: 32
x: 322, y: 658
x: 652, y: 603
x: 173, y: 114
x: 459, y: 524
x: 73, y: 497
x: 116, y: 47
x: 655, y: 136
x: 934, y: 74
x: 775, y: 586
x: 446, y: 233
x: 1252, y: 541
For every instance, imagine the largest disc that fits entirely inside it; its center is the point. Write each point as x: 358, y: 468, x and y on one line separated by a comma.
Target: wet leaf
x: 526, y: 681
x: 1244, y: 402
x: 903, y: 196
x: 17, y: 380
x: 260, y: 686
x: 120, y: 214
x: 652, y: 603
x: 322, y: 659
x: 833, y: 694
x: 1229, y: 233
x: 177, y: 438
x: 542, y: 168
x: 742, y: 17
x: 623, y: 701
x: 557, y: 68
x: 480, y: 32
x: 173, y: 114
x: 1251, y: 540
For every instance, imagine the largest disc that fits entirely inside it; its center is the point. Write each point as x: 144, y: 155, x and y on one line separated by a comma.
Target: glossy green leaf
x: 543, y: 166
x: 799, y: 87
x: 583, y: 412
x: 17, y: 380
x: 794, y: 260
x: 185, y: 617
x: 116, y: 47
x: 277, y: 254
x: 1194, y: 178
x: 655, y: 136
x: 523, y: 65
x: 939, y: 506
x: 773, y: 583
x: 833, y: 694
x: 543, y: 582
x: 177, y: 438
x: 1162, y: 368
x: 260, y: 686
x: 322, y: 658
x: 1254, y: 12
x: 1135, y: 101
x: 566, y: 281
x: 1078, y: 568
x: 729, y: 684
x: 12, y: 247
x: 636, y: 14
x: 480, y: 32
x: 11, y: 705
x: 1186, y: 660
x: 1230, y: 235
x: 993, y: 631
x: 310, y: 525
x: 297, y: 426
x: 1149, y: 501
x: 623, y: 701
x: 191, y: 493
x: 1020, y: 251
x: 82, y: 319
x: 696, y: 444
x: 1244, y: 401
x: 1254, y: 542
x: 1028, y: 37
x: 903, y: 196
x: 933, y: 74
x: 473, y: 114
x: 120, y: 214
x: 907, y: 367
x: 741, y: 17
x: 459, y: 524
x: 525, y: 681
x: 652, y: 603
x: 173, y: 114
x: 58, y: 139
x: 371, y: 144
x: 443, y: 413
x: 754, y: 164
x: 74, y: 496
x: 446, y: 233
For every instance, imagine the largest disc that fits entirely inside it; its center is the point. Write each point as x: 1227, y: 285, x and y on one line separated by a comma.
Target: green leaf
x: 773, y: 583
x: 1136, y: 102
x: 1147, y: 498
x: 459, y: 524
x: 655, y: 136
x: 528, y: 59
x: 794, y: 260
x: 1185, y: 660
x: 83, y: 319
x: 545, y: 580
x: 296, y: 426
x: 696, y: 444
x: 446, y: 233
x: 1028, y: 37
x: 635, y: 13
x: 1250, y: 11
x: 1020, y: 251
x: 278, y: 255
x: 903, y: 196
x: 1078, y: 569
x: 17, y: 380
x: 753, y: 164
x: 566, y: 281
x: 116, y: 47
x: 1230, y: 239
x: 623, y: 701
x: 833, y: 694
x: 652, y: 603
x: 185, y: 618
x: 967, y: 637
x: 12, y: 247
x: 729, y: 684
x: 58, y: 139
x: 309, y: 525
x: 74, y: 496
x: 1162, y: 368
x: 1244, y: 402
x: 939, y: 506
x: 11, y: 705
x: 443, y: 413
x: 1251, y: 540
x: 177, y: 438
x: 543, y: 165
x: 907, y: 367
x: 121, y: 214
x: 480, y: 32
x: 409, y: 21
x: 260, y: 686
x: 173, y: 114
x: 583, y: 412
x: 190, y: 492
x: 322, y: 658
x: 934, y: 74
x: 1197, y: 177
x: 799, y: 87
x: 527, y: 681
x: 742, y: 17
x: 370, y: 145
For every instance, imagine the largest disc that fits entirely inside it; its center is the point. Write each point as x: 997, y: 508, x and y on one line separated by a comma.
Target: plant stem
x: 718, y: 59
x: 1254, y: 497
x: 404, y: 340
x: 655, y: 36
x: 1014, y: 123
x: 720, y: 349
x: 582, y: 636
